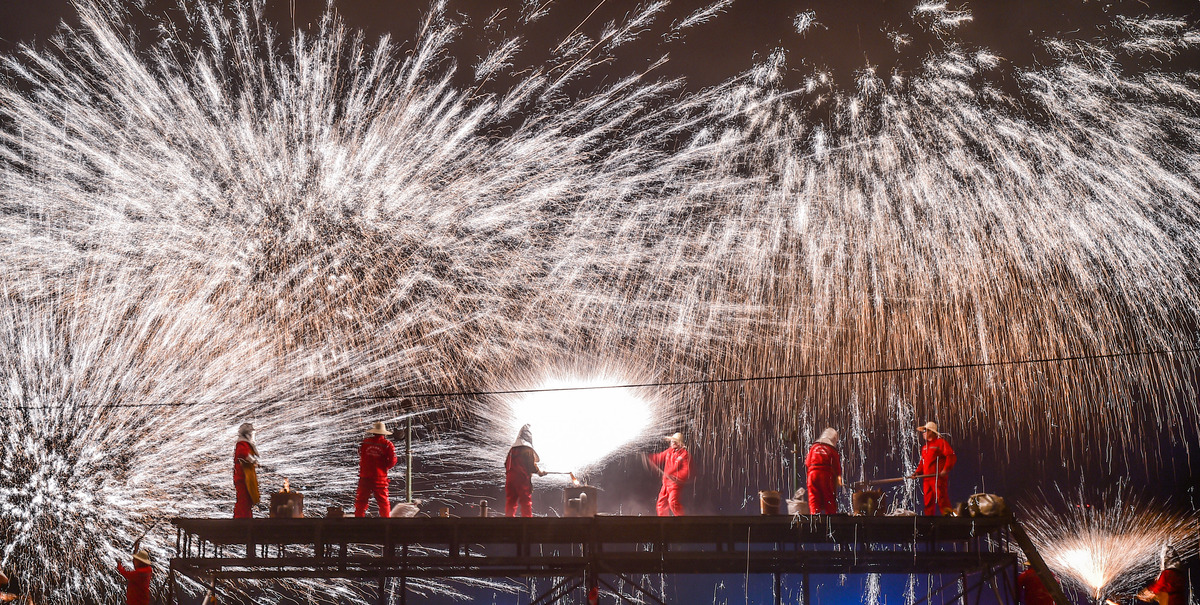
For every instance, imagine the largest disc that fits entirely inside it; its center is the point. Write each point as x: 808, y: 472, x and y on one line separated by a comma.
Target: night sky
x: 847, y: 36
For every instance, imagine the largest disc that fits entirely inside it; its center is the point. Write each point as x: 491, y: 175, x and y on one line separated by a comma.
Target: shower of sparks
x: 804, y: 21
x: 575, y: 430
x: 211, y: 223
x: 1108, y: 546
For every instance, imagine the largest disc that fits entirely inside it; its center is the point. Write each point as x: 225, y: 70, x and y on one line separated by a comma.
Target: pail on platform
x: 580, y: 501
x: 868, y: 502
x: 287, y: 505
x: 768, y: 501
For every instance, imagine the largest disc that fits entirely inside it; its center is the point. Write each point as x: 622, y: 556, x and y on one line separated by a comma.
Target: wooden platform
x: 587, y: 549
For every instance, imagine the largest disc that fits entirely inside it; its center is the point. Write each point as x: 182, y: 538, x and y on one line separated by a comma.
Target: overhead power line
x: 641, y: 385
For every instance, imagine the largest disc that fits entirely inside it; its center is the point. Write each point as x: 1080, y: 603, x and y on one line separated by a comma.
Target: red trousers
x: 668, y: 500
x: 362, y: 498
x: 822, y: 492
x: 937, y: 495
x: 242, y: 507
x: 517, y: 496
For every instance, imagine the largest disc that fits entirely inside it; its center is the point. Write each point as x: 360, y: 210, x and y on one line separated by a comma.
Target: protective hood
x: 1170, y: 558
x: 246, y: 433
x: 524, y: 437
x: 829, y: 437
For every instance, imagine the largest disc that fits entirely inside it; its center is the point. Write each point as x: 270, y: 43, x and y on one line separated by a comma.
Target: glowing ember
x: 1087, y: 565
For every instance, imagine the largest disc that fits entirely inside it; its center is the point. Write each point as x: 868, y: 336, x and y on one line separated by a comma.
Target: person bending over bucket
x: 937, y: 458
x: 675, y: 463
x: 824, y: 464
x: 375, y: 456
x: 519, y: 468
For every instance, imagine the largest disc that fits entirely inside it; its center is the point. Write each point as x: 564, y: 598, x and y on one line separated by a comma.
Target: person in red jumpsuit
x: 824, y: 464
x: 676, y: 465
x: 137, y: 587
x: 375, y: 456
x: 245, y: 454
x: 1171, y: 586
x: 520, y: 466
x: 937, y: 458
x: 1032, y: 591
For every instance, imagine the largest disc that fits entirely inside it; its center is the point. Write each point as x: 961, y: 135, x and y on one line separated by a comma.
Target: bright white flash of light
x: 573, y: 431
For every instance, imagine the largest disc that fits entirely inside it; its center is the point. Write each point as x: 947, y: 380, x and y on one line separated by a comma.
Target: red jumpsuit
x: 936, y: 456
x: 1033, y: 592
x: 824, y: 467
x: 243, y: 506
x: 677, y: 463
x: 137, y: 587
x: 1174, y: 584
x: 519, y: 468
x: 375, y: 456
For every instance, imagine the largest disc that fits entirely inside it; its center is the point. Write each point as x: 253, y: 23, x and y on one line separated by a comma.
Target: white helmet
x: 829, y: 436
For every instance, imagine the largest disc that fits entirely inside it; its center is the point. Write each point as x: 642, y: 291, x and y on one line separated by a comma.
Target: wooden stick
x: 862, y: 484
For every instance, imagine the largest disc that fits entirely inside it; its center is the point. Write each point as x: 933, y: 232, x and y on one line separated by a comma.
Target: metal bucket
x: 580, y: 501
x: 868, y: 503
x: 768, y: 502
x: 287, y: 505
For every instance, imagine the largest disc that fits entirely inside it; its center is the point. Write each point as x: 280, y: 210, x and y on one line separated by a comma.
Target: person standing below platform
x: 137, y: 587
x: 937, y: 458
x: 375, y: 456
x: 1031, y: 588
x: 520, y: 466
x: 675, y: 463
x: 245, y: 473
x: 1171, y: 587
x: 824, y: 464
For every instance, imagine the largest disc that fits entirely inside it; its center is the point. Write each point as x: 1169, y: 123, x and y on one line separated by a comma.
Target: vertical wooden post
x: 408, y: 456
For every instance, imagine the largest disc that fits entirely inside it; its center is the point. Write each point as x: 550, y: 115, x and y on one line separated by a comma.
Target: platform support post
x: 408, y: 459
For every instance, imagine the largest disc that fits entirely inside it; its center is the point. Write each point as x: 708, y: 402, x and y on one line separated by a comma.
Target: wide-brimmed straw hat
x: 142, y: 556
x: 379, y: 428
x: 676, y: 437
x: 929, y: 426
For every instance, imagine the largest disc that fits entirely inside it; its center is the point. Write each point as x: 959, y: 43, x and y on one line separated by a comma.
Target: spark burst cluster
x: 292, y: 231
x: 1108, y: 545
